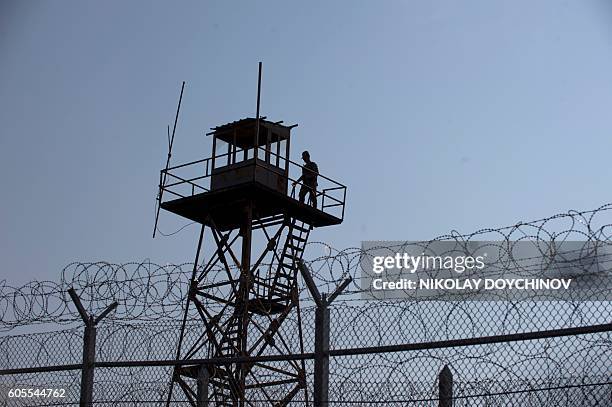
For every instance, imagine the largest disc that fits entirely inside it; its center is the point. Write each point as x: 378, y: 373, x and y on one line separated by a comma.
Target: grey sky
x: 438, y: 115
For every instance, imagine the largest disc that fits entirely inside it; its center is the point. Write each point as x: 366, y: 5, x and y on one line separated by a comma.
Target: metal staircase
x: 285, y: 277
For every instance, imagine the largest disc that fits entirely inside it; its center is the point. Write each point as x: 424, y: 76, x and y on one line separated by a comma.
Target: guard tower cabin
x: 252, y: 166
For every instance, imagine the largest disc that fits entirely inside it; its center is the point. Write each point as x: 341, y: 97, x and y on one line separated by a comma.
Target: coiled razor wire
x: 147, y: 291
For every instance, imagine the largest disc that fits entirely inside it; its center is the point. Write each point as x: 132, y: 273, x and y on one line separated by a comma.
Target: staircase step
x: 296, y: 248
x: 292, y: 258
x: 302, y: 228
x: 285, y: 286
x: 299, y: 238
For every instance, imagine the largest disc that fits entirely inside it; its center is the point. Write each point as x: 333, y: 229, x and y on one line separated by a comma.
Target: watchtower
x: 246, y: 292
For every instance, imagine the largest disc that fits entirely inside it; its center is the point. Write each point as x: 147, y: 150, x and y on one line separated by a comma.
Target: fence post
x: 202, y: 386
x: 89, y: 347
x: 89, y: 358
x: 445, y: 387
x: 321, y: 348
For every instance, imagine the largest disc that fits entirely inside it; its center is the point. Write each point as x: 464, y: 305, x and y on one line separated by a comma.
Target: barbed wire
x: 148, y: 291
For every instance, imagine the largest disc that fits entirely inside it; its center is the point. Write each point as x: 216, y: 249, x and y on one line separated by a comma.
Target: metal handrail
x: 280, y: 170
x: 188, y: 181
x: 190, y: 163
x: 301, y: 166
x: 334, y: 188
x: 322, y: 193
x: 331, y: 197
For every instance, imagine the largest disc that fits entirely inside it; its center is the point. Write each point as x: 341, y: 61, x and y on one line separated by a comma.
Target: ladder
x: 293, y: 250
x: 222, y: 393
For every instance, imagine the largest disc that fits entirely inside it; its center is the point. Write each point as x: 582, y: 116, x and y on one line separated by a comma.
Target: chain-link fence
x: 527, y: 352
x: 560, y: 370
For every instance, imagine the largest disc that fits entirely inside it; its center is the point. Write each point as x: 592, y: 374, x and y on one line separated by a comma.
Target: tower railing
x: 194, y: 178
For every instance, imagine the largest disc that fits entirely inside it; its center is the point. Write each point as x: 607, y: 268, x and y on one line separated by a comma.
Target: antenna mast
x: 257, y: 113
x: 162, y: 177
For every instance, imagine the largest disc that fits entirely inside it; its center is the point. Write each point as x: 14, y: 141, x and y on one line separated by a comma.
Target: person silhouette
x: 310, y: 172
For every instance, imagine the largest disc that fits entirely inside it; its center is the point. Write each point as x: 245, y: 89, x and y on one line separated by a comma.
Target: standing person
x: 310, y: 171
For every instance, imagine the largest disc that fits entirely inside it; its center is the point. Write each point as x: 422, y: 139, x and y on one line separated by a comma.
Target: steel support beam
x: 202, y: 386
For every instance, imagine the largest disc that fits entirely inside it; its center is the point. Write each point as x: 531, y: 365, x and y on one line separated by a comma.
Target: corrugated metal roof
x: 245, y: 121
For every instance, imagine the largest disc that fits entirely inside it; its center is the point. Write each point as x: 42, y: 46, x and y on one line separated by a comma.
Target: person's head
x: 306, y: 156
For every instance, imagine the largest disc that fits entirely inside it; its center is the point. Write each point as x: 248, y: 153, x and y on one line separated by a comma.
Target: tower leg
x: 202, y: 386
x: 245, y: 281
x: 189, y: 296
x: 242, y: 299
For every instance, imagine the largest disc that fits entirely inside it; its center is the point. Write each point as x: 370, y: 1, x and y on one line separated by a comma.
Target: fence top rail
x: 527, y: 336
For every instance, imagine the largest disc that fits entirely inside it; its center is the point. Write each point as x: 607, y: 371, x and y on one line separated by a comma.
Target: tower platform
x: 223, y: 205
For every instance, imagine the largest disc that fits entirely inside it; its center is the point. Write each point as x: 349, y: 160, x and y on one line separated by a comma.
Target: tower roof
x: 242, y: 132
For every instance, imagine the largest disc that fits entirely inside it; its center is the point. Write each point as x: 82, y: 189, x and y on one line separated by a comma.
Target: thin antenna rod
x: 178, y: 109
x: 168, y: 135
x: 170, y: 143
x: 258, y: 100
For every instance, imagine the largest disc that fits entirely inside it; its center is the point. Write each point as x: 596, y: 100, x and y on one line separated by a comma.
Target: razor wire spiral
x: 147, y: 291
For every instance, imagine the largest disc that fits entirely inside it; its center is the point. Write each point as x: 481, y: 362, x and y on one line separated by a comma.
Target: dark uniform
x: 310, y: 171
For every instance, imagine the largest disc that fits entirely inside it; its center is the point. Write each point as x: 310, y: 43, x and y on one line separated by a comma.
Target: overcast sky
x: 438, y: 115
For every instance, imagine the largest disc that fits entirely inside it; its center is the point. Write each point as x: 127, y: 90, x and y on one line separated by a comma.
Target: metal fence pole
x: 89, y: 358
x: 321, y: 350
x: 321, y: 347
x: 89, y: 347
x: 445, y: 387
